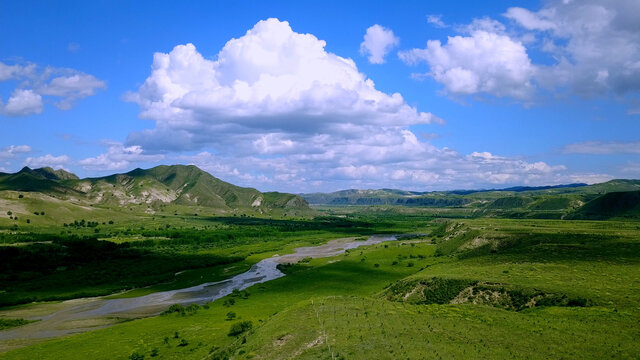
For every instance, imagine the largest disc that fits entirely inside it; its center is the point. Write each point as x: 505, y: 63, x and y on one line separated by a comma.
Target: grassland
x: 340, y: 307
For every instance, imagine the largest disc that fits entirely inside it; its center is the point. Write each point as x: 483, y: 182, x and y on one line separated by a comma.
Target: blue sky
x: 508, y: 96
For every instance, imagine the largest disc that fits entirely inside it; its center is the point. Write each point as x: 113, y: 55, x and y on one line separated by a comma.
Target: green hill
x: 146, y: 190
x: 624, y: 204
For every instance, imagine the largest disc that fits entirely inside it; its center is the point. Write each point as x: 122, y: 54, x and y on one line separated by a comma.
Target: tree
x: 240, y: 327
x: 231, y: 315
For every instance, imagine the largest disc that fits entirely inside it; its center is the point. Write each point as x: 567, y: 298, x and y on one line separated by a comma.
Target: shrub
x: 231, y: 315
x: 183, y: 342
x: 240, y: 327
x: 136, y: 356
x: 175, y: 308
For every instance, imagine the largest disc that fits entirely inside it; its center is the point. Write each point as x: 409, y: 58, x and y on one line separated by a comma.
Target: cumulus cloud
x: 594, y: 47
x: 118, y: 157
x: 378, y: 41
x: 48, y: 160
x: 483, y: 62
x: 22, y: 103
x: 62, y: 86
x: 271, y: 80
x: 276, y: 111
x: 603, y: 148
x: 596, y: 44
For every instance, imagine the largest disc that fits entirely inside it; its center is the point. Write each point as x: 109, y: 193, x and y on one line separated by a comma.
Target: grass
x: 10, y: 323
x: 335, y: 307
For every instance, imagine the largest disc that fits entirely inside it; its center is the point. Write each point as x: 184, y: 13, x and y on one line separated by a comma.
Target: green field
x: 582, y: 275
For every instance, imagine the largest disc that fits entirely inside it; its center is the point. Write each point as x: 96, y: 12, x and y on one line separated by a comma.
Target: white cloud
x: 22, y: 103
x: 483, y: 24
x: 596, y: 44
x: 436, y: 20
x: 378, y: 41
x: 64, y: 86
x: 48, y: 160
x: 12, y: 151
x: 271, y: 80
x: 484, y: 62
x: 594, y: 48
x: 603, y: 148
x: 71, y: 88
x: 118, y: 157
x: 275, y: 111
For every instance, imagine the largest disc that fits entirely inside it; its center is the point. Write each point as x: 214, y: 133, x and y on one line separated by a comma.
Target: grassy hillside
x: 612, y: 205
x: 581, y: 275
x: 160, y: 189
x: 545, y: 202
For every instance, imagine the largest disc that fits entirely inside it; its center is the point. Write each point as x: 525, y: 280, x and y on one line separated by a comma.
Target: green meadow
x: 463, y: 288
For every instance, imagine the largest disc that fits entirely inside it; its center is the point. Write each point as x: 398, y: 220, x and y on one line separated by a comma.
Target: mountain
x: 151, y: 189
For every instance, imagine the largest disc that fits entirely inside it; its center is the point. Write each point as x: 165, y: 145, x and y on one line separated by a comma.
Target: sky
x: 306, y: 96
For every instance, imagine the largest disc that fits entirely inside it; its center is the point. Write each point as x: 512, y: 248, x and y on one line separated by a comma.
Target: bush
x: 136, y: 356
x: 231, y: 315
x: 240, y: 327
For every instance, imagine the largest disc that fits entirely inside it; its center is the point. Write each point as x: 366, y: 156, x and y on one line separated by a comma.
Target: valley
x: 543, y: 273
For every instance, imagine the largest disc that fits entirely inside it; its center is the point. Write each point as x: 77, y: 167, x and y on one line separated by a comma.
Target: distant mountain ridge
x: 558, y: 201
x: 185, y: 185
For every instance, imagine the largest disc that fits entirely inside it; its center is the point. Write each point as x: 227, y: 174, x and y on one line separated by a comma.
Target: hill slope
x: 611, y: 205
x: 149, y: 189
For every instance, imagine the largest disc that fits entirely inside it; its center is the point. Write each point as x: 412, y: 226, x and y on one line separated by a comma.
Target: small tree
x: 231, y: 315
x: 240, y: 327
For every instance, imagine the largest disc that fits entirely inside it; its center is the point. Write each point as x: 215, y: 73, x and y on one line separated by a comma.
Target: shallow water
x: 87, y: 314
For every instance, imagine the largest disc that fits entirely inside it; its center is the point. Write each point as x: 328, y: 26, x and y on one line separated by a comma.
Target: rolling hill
x: 624, y: 204
x: 556, y: 201
x: 147, y: 190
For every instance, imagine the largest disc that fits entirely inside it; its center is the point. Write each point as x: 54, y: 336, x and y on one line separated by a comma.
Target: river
x: 86, y: 314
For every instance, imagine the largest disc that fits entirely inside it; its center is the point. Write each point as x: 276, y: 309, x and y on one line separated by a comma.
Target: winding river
x: 80, y: 315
